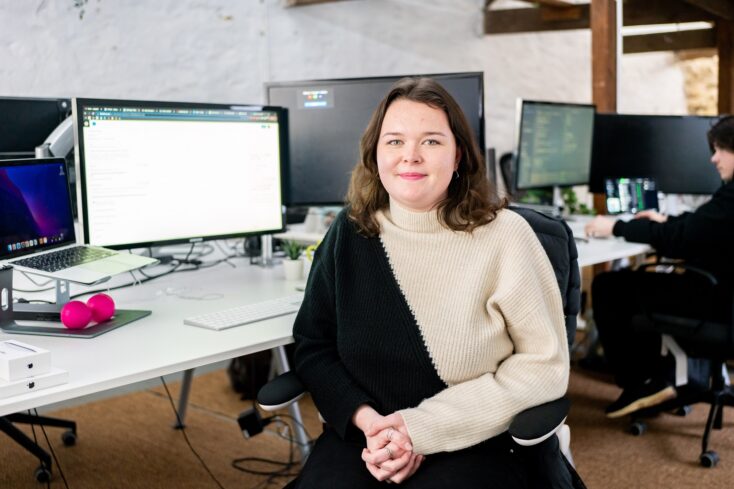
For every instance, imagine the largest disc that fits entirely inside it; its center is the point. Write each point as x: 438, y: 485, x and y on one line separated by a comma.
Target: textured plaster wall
x: 223, y: 51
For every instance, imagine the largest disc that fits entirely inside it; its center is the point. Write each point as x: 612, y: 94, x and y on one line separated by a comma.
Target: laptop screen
x: 36, y: 208
x: 631, y: 195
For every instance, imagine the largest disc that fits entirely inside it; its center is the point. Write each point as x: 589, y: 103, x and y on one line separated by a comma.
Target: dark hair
x: 721, y: 134
x: 471, y: 200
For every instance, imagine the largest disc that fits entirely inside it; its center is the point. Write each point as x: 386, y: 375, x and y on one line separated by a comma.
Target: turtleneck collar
x: 421, y: 222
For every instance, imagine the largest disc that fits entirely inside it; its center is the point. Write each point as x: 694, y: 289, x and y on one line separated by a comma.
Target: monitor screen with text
x: 554, y: 147
x: 163, y: 172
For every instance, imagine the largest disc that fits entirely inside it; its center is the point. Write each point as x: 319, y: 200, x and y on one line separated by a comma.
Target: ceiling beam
x: 511, y: 21
x: 670, y: 41
x: 554, y: 3
x: 544, y: 18
x: 720, y: 8
x: 300, y: 3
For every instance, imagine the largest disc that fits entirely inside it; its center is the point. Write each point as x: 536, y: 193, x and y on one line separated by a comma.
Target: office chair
x: 694, y: 320
x: 43, y: 472
x: 534, y: 425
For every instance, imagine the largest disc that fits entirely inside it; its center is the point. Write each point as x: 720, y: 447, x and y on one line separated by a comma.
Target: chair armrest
x: 281, y: 392
x: 536, y: 424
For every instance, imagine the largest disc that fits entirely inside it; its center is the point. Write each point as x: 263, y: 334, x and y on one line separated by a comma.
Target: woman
x: 432, y: 315
x: 703, y: 239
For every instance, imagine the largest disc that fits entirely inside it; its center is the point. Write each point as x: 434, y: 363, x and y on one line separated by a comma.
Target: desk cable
x: 51, y: 449
x: 183, y: 432
x: 194, y: 265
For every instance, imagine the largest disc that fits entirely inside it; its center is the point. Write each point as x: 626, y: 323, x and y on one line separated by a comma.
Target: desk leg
x: 183, y: 399
x: 295, y: 411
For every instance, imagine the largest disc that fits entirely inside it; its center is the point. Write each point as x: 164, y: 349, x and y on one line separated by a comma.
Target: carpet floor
x: 127, y: 442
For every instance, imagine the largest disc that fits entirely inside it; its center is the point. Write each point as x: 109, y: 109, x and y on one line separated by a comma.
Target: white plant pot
x: 293, y: 269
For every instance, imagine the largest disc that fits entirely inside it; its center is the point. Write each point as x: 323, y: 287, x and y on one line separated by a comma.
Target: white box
x: 20, y: 360
x: 13, y: 388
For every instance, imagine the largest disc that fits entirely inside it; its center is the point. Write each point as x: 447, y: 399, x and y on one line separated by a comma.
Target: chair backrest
x: 507, y: 170
x: 557, y: 240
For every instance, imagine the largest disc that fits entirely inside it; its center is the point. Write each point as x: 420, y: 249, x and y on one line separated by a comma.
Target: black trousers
x: 497, y: 463
x: 634, y: 356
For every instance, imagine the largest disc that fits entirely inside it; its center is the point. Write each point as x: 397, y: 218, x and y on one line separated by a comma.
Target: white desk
x: 161, y: 344
x: 596, y: 251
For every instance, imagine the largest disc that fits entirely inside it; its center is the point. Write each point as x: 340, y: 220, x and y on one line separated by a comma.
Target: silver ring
x: 389, y: 434
x: 389, y: 452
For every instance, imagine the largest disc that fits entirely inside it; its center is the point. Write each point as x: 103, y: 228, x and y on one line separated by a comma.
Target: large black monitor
x: 327, y: 119
x: 26, y: 123
x: 554, y: 144
x: 153, y: 173
x: 671, y: 149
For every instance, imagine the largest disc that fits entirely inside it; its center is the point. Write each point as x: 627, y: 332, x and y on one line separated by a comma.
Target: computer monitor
x: 554, y: 144
x: 155, y: 173
x: 673, y: 150
x: 631, y: 195
x: 26, y: 123
x: 327, y: 119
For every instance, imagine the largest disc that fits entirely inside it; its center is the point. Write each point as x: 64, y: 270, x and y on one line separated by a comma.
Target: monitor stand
x: 10, y: 313
x: 265, y: 259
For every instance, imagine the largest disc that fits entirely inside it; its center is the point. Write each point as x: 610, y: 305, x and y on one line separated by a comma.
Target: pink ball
x: 102, y: 307
x: 75, y: 315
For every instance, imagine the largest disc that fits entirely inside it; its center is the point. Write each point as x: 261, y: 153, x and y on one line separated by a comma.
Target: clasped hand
x: 389, y: 453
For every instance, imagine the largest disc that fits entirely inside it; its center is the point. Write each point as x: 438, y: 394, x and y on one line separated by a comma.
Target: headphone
x: 77, y: 315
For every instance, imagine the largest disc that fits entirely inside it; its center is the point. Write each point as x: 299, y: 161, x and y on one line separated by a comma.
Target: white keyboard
x: 249, y: 313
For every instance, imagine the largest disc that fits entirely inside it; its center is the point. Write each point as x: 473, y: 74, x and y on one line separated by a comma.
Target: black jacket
x: 704, y: 238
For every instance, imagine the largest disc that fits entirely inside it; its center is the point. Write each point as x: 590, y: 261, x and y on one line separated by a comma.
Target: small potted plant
x: 293, y: 265
x: 309, y: 252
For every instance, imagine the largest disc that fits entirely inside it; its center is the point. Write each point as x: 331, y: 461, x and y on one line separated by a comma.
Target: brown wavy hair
x: 471, y: 201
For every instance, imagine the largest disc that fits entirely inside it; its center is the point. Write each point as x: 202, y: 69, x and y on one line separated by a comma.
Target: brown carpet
x: 127, y: 442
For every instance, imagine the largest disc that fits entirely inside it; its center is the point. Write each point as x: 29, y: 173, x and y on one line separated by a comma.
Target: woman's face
x: 416, y: 154
x: 723, y: 159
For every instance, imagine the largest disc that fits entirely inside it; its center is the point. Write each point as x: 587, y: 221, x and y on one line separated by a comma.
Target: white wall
x: 223, y: 51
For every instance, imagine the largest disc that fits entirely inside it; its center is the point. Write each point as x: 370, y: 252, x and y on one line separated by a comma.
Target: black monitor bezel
x: 382, y: 78
x: 78, y: 102
x: 520, y: 105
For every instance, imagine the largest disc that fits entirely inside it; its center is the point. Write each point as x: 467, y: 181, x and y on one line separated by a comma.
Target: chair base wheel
x: 683, y: 411
x: 69, y: 438
x: 638, y: 428
x: 42, y: 474
x: 709, y: 459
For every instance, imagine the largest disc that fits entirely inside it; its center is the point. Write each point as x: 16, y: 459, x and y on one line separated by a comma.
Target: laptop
x: 628, y: 196
x: 37, y: 227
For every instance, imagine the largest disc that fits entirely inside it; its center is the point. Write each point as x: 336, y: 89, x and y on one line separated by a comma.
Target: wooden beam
x: 604, y: 55
x: 720, y: 8
x: 670, y: 41
x: 636, y: 12
x: 555, y: 3
x: 725, y: 40
x: 509, y: 21
x: 648, y: 12
x: 300, y: 3
x: 603, y: 65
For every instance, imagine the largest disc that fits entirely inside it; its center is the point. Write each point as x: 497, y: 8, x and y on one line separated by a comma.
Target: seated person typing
x: 704, y: 239
x: 432, y: 315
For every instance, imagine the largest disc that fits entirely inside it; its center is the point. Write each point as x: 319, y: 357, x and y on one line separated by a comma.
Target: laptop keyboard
x: 66, y: 258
